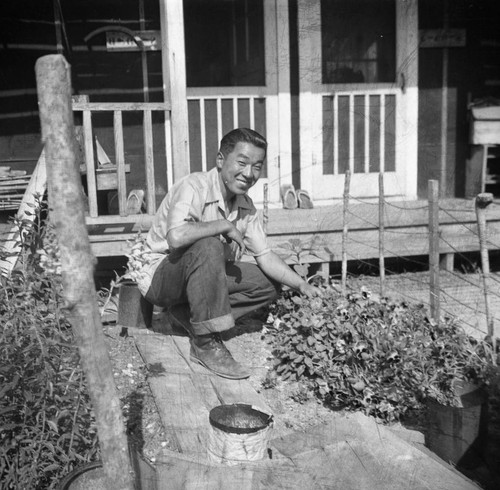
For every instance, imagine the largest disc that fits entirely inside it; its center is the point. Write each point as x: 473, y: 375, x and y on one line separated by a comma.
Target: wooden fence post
x: 265, y: 213
x: 67, y: 215
x: 345, y: 229
x: 483, y: 200
x: 433, y: 196
x: 381, y: 231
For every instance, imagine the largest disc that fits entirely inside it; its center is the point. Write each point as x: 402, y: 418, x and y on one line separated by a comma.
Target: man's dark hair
x: 243, y: 135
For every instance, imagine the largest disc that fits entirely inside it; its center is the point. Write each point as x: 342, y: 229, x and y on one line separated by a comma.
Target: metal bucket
x: 238, y: 433
x: 133, y: 309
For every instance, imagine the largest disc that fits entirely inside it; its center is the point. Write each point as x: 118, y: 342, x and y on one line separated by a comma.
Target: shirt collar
x: 215, y: 194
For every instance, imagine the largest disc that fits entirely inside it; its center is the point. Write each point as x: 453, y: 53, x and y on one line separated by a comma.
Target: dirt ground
x: 292, y: 410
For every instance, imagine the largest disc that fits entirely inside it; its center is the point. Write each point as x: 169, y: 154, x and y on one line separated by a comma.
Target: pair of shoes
x: 293, y: 199
x: 212, y: 354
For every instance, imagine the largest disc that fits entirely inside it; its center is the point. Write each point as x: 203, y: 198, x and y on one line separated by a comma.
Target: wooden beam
x: 174, y: 81
x: 82, y: 105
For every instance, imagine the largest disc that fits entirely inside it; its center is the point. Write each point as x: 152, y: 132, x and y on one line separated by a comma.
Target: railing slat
x: 203, y: 136
x: 149, y: 162
x: 120, y: 162
x: 251, y: 106
x: 351, y: 133
x: 235, y: 112
x: 168, y: 150
x: 335, y: 134
x: 89, y: 162
x: 367, y: 133
x: 219, y: 119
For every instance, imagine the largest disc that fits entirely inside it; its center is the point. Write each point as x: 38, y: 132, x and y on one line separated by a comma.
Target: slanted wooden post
x: 433, y: 193
x: 483, y: 200
x: 67, y: 215
x: 345, y: 230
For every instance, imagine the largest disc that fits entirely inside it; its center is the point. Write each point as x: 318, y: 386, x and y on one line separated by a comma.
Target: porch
x: 315, y: 235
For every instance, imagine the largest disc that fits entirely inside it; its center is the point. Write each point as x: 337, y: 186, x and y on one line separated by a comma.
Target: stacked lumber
x: 13, y: 184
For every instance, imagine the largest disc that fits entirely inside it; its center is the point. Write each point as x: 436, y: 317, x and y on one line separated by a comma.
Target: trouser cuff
x: 219, y: 324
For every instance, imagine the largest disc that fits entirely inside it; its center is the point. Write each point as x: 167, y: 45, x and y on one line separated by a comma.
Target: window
x: 358, y: 41
x: 224, y: 42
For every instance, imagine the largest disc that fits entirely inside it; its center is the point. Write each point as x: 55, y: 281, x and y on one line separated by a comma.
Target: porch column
x: 407, y: 72
x: 174, y: 82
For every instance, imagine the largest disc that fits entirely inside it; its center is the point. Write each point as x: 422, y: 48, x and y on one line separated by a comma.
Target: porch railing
x: 211, y: 115
x: 119, y: 168
x: 359, y: 131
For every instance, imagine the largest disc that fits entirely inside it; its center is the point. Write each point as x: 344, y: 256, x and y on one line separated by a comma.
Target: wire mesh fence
x: 437, y: 257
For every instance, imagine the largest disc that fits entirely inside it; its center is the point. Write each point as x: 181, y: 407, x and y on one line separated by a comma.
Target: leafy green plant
x: 375, y: 355
x: 295, y: 249
x: 46, y: 422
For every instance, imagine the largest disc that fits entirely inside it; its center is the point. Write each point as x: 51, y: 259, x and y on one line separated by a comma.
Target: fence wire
x: 414, y: 285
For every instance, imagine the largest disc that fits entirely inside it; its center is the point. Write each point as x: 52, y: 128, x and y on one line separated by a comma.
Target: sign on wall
x: 121, y: 41
x: 442, y: 38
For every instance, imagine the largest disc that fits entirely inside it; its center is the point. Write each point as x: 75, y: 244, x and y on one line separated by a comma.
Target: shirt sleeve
x: 255, y: 238
x: 183, y: 206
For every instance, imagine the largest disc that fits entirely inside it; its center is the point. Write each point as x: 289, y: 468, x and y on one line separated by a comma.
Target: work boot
x: 207, y: 350
x: 211, y: 353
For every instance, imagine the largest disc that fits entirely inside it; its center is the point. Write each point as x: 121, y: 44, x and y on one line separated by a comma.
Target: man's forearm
x: 191, y: 232
x: 274, y: 267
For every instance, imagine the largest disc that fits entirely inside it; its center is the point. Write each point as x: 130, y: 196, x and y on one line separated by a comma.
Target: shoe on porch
x: 211, y: 353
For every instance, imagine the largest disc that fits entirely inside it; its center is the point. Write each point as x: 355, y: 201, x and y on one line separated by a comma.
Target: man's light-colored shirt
x: 198, y: 198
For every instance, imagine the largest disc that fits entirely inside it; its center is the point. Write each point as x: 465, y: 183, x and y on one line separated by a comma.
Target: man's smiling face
x: 240, y: 169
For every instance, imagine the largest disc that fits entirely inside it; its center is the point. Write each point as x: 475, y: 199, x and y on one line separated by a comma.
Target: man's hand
x: 309, y: 290
x: 234, y: 234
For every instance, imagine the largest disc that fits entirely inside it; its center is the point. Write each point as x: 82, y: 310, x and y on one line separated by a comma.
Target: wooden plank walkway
x: 351, y: 452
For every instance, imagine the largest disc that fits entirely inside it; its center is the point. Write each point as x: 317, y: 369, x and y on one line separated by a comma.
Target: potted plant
x: 384, y: 357
x: 454, y: 372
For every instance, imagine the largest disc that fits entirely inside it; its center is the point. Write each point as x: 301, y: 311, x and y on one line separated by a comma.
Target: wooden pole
x: 67, y: 215
x: 381, y: 230
x: 443, y: 178
x: 173, y: 62
x: 345, y: 230
x: 483, y: 200
x: 433, y: 196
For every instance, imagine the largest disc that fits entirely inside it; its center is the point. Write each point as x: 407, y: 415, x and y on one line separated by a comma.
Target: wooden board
x: 354, y: 451
x: 178, y: 471
x: 185, y: 392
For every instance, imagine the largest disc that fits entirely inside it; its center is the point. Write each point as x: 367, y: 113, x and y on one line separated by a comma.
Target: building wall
x: 473, y: 73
